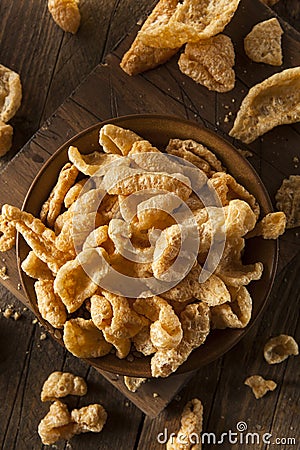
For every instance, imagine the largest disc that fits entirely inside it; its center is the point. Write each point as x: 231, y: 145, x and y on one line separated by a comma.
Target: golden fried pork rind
x: 73, y: 284
x: 275, y: 101
x: 263, y: 43
x: 66, y: 14
x: 279, y: 348
x: 143, y: 343
x: 10, y: 93
x: 49, y: 303
x: 270, y: 227
x: 57, y: 424
x: 191, y: 425
x: 209, y: 62
x: 195, y: 322
x: 141, y: 57
x: 89, y: 418
x: 117, y: 140
x: 288, y: 200
x: 84, y: 340
x: 192, y: 21
x: 133, y: 383
x: 91, y: 163
x: 52, y: 207
x: 6, y: 134
x: 73, y: 193
x: 196, y: 154
x: 36, y: 268
x: 61, y: 384
x: 234, y: 314
x: 259, y: 385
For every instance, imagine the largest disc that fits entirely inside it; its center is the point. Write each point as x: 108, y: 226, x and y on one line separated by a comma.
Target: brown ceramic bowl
x: 159, y: 129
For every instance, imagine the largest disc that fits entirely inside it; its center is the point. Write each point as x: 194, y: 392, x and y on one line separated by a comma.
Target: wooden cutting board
x: 109, y: 92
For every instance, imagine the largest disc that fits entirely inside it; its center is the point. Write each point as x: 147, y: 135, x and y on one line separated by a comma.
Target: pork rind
x: 166, y: 330
x: 84, y: 340
x: 66, y: 14
x: 91, y: 163
x: 52, y: 207
x: 143, y: 343
x: 133, y: 383
x: 141, y: 57
x: 192, y: 21
x: 209, y: 62
x: 279, y: 348
x: 191, y: 426
x: 35, y: 268
x: 288, y: 200
x: 57, y: 424
x: 73, y: 193
x: 61, y: 384
x: 7, y: 234
x: 234, y: 314
x: 73, y: 284
x: 10, y: 93
x: 259, y: 385
x: 270, y: 227
x: 117, y: 140
x: 40, y: 238
x: 6, y: 134
x: 196, y: 154
x: 195, y: 322
x: 263, y: 43
x: 89, y: 418
x: 49, y: 303
x: 273, y: 102
x: 155, y: 212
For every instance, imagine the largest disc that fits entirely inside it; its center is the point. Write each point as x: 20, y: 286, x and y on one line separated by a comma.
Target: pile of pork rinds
x: 109, y: 205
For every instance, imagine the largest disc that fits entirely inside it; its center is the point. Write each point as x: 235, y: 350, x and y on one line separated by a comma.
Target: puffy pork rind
x: 61, y: 384
x: 96, y: 237
x: 89, y: 418
x: 270, y: 227
x: 6, y: 134
x: 279, y: 348
x: 259, y: 385
x: 66, y: 14
x: 288, y: 200
x: 52, y: 207
x: 91, y: 163
x: 167, y: 248
x: 36, y: 268
x: 234, y: 314
x: 192, y: 21
x: 141, y: 57
x: 133, y: 383
x: 117, y: 140
x: 196, y: 154
x: 40, y: 238
x: 239, y: 218
x: 155, y: 212
x: 273, y: 102
x: 191, y: 426
x: 7, y: 234
x: 49, y: 303
x: 263, y: 43
x: 10, y: 93
x: 72, y: 282
x: 84, y: 340
x: 210, y: 62
x: 73, y: 193
x: 195, y: 322
x: 143, y: 343
x: 57, y: 424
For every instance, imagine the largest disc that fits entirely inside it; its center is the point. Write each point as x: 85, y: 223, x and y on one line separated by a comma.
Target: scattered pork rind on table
x: 275, y: 101
x: 210, y: 62
x: 61, y: 384
x: 117, y: 210
x: 263, y: 43
x: 259, y: 385
x: 279, y: 348
x: 66, y: 14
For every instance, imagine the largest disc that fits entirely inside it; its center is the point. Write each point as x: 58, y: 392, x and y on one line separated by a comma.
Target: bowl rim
x: 99, y: 363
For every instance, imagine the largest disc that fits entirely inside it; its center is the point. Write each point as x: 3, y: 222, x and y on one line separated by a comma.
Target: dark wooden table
x: 52, y: 64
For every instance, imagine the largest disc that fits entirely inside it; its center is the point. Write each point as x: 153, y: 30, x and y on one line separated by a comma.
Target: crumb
x: 155, y: 395
x: 34, y: 321
x: 25, y: 309
x: 57, y: 334
x: 19, y: 287
x: 17, y: 315
x: 233, y: 100
x: 3, y: 273
x: 8, y: 313
x: 245, y: 153
x: 126, y: 404
x: 226, y: 118
x: 43, y: 336
x: 295, y: 159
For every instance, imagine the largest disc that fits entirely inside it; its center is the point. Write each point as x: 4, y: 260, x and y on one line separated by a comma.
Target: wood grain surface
x: 52, y: 64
